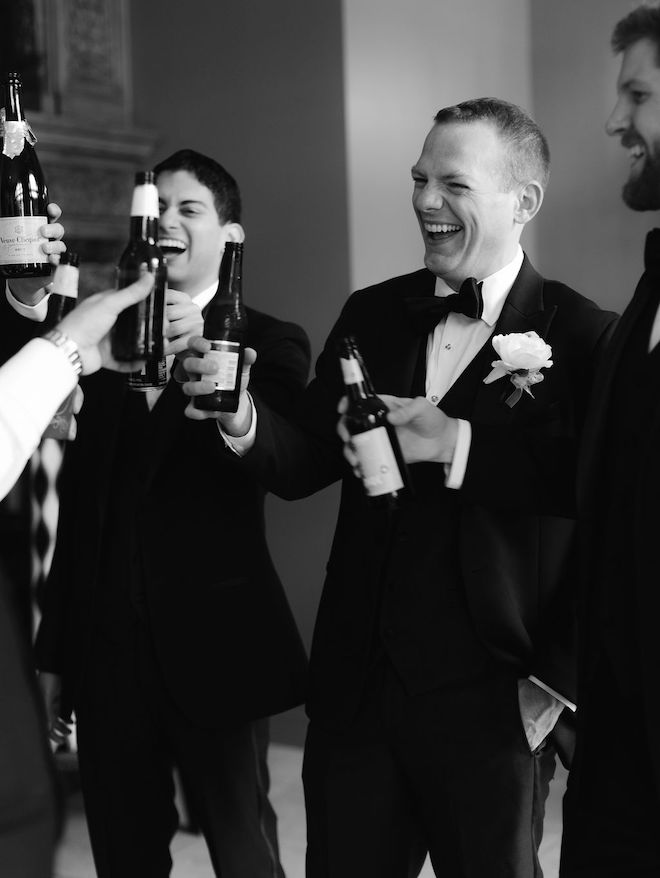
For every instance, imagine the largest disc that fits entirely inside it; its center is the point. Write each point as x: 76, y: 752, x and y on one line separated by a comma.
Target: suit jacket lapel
x: 523, y: 311
x: 399, y: 361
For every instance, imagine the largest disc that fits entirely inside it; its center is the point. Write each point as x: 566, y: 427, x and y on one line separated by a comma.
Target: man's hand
x: 199, y: 368
x: 90, y: 323
x: 51, y: 690
x: 183, y: 319
x: 425, y: 433
x: 30, y: 290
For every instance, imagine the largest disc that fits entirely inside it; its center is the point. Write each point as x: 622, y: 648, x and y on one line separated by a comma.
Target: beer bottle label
x: 226, y: 355
x: 65, y: 281
x: 20, y: 239
x: 378, y: 466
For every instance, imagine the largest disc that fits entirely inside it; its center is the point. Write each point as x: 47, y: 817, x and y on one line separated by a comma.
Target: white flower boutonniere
x: 522, y: 356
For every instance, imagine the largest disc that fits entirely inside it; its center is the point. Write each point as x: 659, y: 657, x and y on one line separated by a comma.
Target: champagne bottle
x: 23, y: 192
x: 138, y: 332
x: 225, y: 326
x: 63, y: 298
x: 382, y: 467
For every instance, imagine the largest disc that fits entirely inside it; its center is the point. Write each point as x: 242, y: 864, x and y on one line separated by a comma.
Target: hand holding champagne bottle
x: 23, y: 191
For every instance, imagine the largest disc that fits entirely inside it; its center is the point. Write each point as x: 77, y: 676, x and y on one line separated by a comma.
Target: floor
x: 191, y: 860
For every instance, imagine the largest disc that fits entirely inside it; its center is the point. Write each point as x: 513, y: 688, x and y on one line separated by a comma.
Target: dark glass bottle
x: 63, y: 298
x: 64, y: 289
x: 382, y: 467
x: 23, y: 192
x: 138, y: 332
x: 225, y: 326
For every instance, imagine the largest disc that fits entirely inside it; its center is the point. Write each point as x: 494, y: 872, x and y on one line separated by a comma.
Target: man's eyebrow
x: 186, y: 201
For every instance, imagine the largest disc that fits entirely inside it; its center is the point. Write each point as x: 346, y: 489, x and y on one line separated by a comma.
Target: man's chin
x: 643, y: 192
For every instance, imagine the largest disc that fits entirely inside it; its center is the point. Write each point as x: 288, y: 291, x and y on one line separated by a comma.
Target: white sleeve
x: 36, y: 312
x: 33, y: 383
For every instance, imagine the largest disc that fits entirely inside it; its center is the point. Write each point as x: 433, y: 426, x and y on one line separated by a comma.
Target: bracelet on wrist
x: 68, y: 347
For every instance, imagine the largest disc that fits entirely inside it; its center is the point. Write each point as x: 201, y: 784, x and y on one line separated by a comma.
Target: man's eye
x: 418, y: 181
x: 638, y: 97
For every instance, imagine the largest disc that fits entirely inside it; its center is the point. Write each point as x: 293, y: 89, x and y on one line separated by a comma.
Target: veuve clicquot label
x: 378, y: 466
x: 20, y: 239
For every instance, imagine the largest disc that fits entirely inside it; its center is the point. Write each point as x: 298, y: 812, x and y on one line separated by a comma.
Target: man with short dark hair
x: 171, y: 646
x: 612, y: 807
x: 442, y: 654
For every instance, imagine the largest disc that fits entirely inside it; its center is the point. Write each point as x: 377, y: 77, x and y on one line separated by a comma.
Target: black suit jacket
x: 644, y: 560
x: 222, y: 628
x: 516, y: 533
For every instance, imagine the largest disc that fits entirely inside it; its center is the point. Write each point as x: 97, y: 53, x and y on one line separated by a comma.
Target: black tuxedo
x: 163, y: 608
x: 612, y: 809
x: 464, y: 587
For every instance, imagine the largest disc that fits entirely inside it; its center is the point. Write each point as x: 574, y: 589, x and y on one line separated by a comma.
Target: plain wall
x: 403, y: 61
x: 587, y: 237
x: 258, y: 86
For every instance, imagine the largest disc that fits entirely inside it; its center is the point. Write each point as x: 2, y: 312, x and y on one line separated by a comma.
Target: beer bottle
x: 23, y: 192
x: 382, y: 468
x: 225, y: 326
x: 138, y: 332
x: 63, y: 298
x: 64, y: 287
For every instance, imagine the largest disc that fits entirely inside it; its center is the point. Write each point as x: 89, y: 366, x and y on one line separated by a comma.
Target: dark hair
x: 642, y: 23
x: 528, y: 154
x: 209, y: 173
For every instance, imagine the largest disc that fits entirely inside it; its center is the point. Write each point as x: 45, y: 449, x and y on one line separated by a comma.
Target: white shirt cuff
x: 240, y: 445
x: 37, y: 312
x: 552, y: 692
x: 455, y: 470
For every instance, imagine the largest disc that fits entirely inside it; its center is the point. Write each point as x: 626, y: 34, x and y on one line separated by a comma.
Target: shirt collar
x: 202, y: 299
x: 496, y: 287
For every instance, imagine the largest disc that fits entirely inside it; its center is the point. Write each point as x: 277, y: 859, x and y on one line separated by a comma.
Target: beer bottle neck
x: 356, y: 386
x: 144, y: 228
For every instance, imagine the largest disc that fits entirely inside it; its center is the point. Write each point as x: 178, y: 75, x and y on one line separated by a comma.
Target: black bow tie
x: 652, y: 253
x: 427, y: 311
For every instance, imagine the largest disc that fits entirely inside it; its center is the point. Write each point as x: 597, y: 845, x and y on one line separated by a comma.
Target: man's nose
x: 619, y: 119
x: 429, y: 198
x: 166, y: 219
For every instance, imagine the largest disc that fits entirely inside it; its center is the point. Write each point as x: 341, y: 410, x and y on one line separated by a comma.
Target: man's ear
x: 530, y: 199
x: 234, y: 232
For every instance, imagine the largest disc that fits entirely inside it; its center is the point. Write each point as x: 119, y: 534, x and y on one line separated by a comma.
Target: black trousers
x: 130, y: 735
x: 612, y: 804
x: 27, y: 787
x: 448, y: 772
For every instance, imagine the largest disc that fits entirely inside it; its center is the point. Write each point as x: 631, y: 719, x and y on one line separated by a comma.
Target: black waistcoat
x: 425, y: 625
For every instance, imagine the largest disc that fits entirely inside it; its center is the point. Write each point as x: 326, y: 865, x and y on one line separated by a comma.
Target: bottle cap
x: 143, y: 177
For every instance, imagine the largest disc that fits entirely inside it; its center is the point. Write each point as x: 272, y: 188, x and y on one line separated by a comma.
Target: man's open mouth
x: 441, y: 231
x: 171, y: 245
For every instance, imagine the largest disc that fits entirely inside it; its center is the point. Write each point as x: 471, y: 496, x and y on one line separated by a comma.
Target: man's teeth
x: 434, y: 228
x: 171, y: 244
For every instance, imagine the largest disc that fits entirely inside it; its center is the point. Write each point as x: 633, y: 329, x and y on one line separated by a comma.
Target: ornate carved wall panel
x: 75, y: 59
